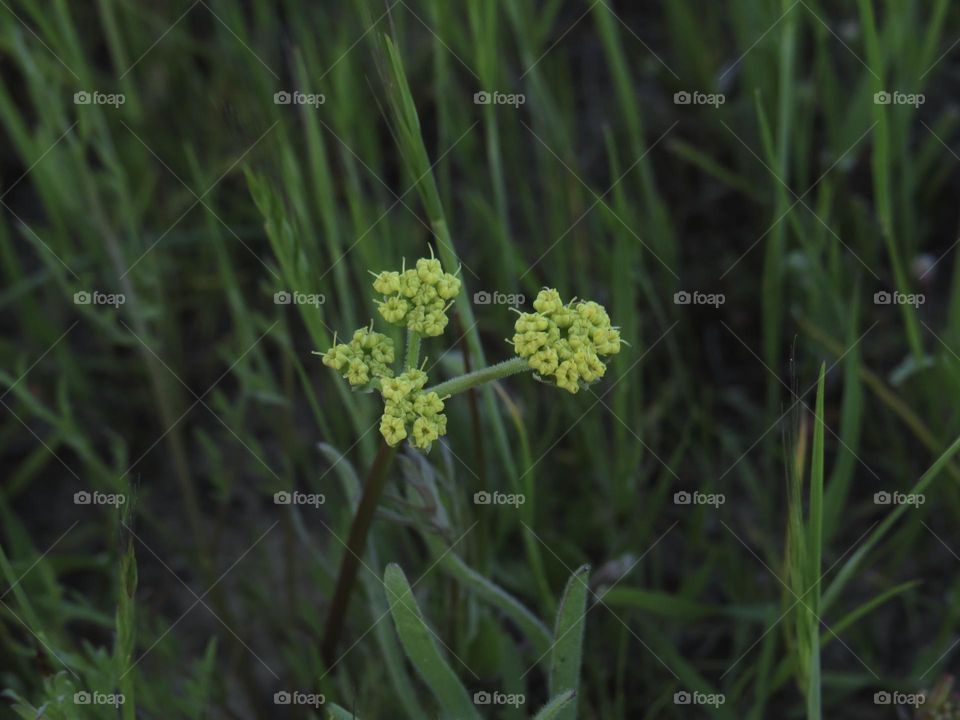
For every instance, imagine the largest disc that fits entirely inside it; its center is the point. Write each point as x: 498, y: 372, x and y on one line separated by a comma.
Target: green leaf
x: 421, y: 647
x: 815, y: 543
x: 487, y: 590
x: 853, y: 562
x: 552, y: 709
x: 568, y: 641
x: 335, y: 712
x: 126, y: 624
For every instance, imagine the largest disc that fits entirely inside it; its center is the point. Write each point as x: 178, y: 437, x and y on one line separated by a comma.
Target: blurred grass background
x: 199, y: 198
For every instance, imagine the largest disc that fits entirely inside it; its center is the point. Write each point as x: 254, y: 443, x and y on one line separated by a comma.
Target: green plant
x: 562, y: 342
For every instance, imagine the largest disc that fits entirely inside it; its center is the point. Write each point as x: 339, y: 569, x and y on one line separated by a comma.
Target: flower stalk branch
x: 479, y: 377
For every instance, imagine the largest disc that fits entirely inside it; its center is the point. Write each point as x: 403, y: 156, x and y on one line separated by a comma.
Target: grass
x: 796, y: 400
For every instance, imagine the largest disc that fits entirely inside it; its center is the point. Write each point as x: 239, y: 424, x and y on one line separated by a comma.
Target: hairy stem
x: 353, y: 553
x: 479, y: 377
x: 412, y: 358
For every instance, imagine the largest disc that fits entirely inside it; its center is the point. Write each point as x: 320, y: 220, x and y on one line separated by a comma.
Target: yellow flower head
x: 367, y: 356
x: 410, y: 412
x: 419, y: 298
x: 566, y: 342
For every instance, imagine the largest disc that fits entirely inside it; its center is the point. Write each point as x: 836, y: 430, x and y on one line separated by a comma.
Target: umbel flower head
x: 417, y: 299
x: 566, y: 342
x: 367, y: 356
x: 410, y: 412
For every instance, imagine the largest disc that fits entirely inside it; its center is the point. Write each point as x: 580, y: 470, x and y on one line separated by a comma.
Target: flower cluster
x: 367, y: 356
x: 417, y: 299
x: 410, y: 410
x: 566, y: 342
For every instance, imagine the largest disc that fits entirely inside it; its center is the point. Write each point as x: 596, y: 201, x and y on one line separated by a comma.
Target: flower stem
x: 353, y: 553
x: 479, y: 377
x: 413, y: 350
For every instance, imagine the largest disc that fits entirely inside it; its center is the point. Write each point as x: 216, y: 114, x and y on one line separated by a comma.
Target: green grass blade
x: 126, y: 623
x: 849, y: 567
x: 815, y: 543
x: 784, y: 670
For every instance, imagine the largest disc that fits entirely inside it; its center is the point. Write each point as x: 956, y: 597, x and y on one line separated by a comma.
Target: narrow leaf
x: 568, y: 641
x: 816, y: 551
x: 421, y: 647
x: 335, y: 712
x: 553, y: 708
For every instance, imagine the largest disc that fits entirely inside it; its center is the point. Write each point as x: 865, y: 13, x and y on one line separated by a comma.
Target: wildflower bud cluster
x: 566, y: 342
x: 417, y: 299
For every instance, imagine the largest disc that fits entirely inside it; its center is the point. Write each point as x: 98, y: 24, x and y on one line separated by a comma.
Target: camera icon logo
x: 882, y: 297
x: 282, y: 498
x: 682, y: 697
x: 882, y: 698
x: 481, y: 98
x: 481, y: 697
x: 481, y: 497
x: 81, y: 298
x: 882, y: 98
x: 681, y: 298
x: 682, y: 98
x: 81, y: 497
x: 682, y: 498
x: 882, y: 498
x: 481, y: 297
x: 282, y: 98
x: 281, y: 698
x: 81, y: 698
x: 282, y: 298
x: 82, y: 98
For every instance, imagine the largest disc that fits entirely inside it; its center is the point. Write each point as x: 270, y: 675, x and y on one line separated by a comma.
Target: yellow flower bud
x: 548, y: 301
x: 429, y: 271
x: 392, y: 429
x: 387, y: 283
x: 448, y: 286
